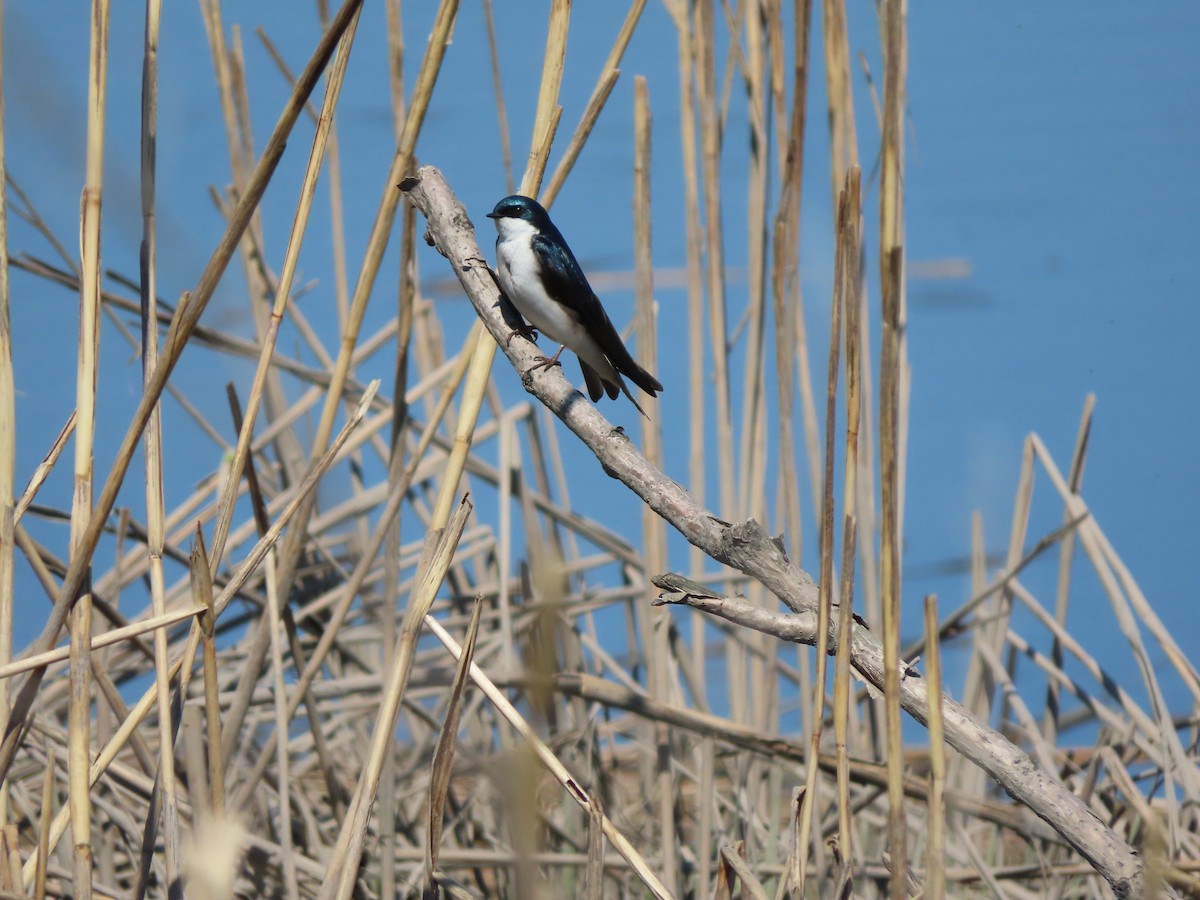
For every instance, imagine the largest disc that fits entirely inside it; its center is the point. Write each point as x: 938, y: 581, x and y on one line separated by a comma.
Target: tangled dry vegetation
x: 498, y: 705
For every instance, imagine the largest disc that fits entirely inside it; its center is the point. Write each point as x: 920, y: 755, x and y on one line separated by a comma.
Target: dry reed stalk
x: 710, y: 157
x: 752, y: 450
x: 501, y: 110
x: 609, y: 73
x: 849, y: 233
x: 574, y: 789
x: 228, y: 67
x: 354, y: 583
x: 274, y: 623
x: 8, y: 448
x: 373, y: 256
x: 843, y: 136
x: 202, y: 592
x: 342, y: 872
x: 892, y: 427
x: 785, y: 284
x: 79, y: 729
x: 1066, y: 555
x: 935, y: 831
x: 842, y: 690
x: 44, y: 818
x: 183, y: 663
x: 104, y: 639
x: 654, y: 537
x: 697, y: 468
x: 390, y: 596
x: 183, y: 323
x: 443, y: 757
x: 44, y: 467
x: 594, y: 878
x: 282, y: 290
x: 846, y: 258
x: 153, y: 449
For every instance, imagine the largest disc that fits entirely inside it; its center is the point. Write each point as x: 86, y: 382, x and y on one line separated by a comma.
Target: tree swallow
x: 538, y: 272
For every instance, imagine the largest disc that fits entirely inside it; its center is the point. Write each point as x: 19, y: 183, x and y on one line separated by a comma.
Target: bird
x: 539, y: 274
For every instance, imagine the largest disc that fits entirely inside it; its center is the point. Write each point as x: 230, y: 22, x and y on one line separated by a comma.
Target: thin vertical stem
x: 79, y: 720
x: 654, y: 635
x: 8, y: 449
x: 891, y: 418
x: 935, y: 865
x: 183, y: 324
x: 153, y: 450
x: 710, y: 142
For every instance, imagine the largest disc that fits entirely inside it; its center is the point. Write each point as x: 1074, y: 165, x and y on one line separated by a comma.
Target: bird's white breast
x: 520, y: 276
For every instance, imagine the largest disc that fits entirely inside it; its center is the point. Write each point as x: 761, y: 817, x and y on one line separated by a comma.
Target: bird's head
x: 525, y: 209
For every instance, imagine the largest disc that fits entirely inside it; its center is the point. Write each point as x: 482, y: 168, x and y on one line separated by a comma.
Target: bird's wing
x: 565, y: 282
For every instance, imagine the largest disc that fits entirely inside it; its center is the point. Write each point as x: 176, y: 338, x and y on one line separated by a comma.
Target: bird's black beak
x: 493, y: 215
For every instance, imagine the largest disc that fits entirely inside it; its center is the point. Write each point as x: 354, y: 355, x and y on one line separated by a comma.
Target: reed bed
x: 384, y: 649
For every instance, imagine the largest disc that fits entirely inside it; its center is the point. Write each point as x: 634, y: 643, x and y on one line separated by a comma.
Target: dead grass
x: 289, y: 729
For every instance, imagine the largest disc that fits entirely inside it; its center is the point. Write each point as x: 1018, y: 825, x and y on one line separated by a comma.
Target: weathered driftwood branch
x: 748, y: 548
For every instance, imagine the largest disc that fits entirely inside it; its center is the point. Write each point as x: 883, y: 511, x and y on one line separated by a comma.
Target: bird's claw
x: 546, y: 362
x: 526, y: 331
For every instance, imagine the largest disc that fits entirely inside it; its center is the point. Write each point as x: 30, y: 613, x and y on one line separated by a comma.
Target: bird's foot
x: 526, y: 331
x: 546, y: 362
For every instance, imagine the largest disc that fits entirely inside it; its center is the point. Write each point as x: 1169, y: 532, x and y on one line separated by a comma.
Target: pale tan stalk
x: 1066, y: 555
x: 891, y: 418
x: 183, y: 324
x: 202, y: 593
x: 710, y: 143
x: 342, y: 873
x: 79, y: 722
x: 104, y: 639
x: 752, y: 451
x: 785, y: 282
x: 390, y: 595
x: 235, y: 113
x: 576, y: 791
x: 354, y: 583
x: 608, y: 79
x: 498, y: 89
x: 283, y: 290
x: 935, y: 831
x: 45, y: 817
x: 44, y: 467
x: 443, y: 757
x: 395, y: 55
x: 842, y: 133
x: 283, y: 771
x: 654, y: 534
x: 849, y: 280
x: 697, y: 394
x: 8, y: 448
x: 153, y: 450
x: 376, y: 244
x: 183, y: 663
x: 847, y: 216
